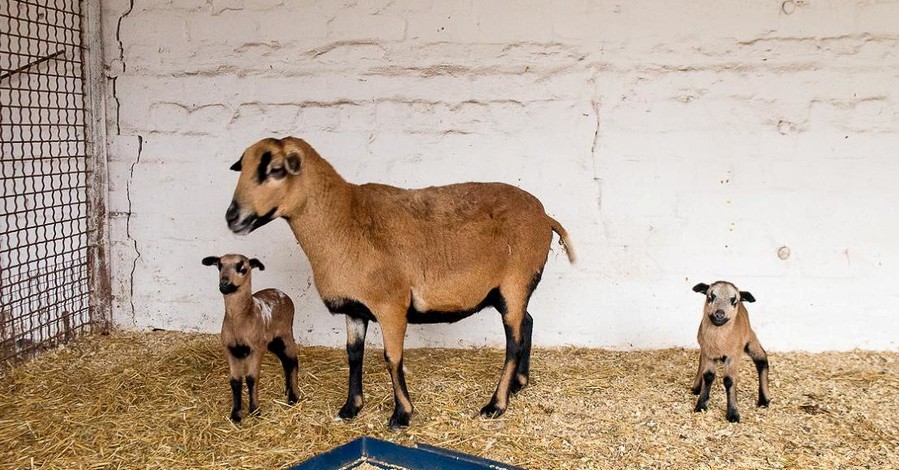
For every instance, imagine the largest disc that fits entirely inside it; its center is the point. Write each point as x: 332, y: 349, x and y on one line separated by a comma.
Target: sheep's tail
x: 563, y: 238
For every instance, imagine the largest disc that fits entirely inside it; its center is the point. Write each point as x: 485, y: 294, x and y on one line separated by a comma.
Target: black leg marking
x: 761, y: 366
x: 732, y: 414
x: 251, y: 388
x: 513, y: 356
x: 239, y: 350
x: 524, y: 365
x: 355, y: 352
x: 400, y: 418
x: 702, y: 403
x: 289, y: 364
x: 236, y: 386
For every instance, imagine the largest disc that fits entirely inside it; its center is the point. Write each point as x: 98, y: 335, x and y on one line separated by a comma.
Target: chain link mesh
x: 44, y: 151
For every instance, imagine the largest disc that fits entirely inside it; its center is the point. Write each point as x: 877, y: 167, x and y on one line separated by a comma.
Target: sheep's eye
x: 278, y: 173
x: 711, y: 298
x: 733, y: 301
x: 241, y: 268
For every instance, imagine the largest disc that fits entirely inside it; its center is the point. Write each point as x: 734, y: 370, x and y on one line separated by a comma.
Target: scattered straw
x: 162, y: 400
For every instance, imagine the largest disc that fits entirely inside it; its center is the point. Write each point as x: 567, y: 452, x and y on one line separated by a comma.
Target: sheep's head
x: 269, y: 183
x: 234, y: 271
x: 721, y: 300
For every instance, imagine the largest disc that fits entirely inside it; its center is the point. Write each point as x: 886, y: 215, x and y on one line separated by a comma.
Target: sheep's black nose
x: 719, y: 313
x: 233, y: 212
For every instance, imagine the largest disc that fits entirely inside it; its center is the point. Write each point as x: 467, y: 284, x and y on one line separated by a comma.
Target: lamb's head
x: 721, y: 300
x: 234, y: 271
x: 270, y: 184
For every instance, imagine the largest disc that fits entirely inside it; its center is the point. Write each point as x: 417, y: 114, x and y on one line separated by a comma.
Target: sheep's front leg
x: 707, y: 366
x: 393, y: 329
x: 237, y: 367
x: 254, y: 363
x: 730, y: 386
x: 356, y: 329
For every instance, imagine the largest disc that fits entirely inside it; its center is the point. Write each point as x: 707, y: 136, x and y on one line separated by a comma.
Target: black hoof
x: 348, y: 411
x: 700, y: 407
x: 399, y: 420
x: 695, y: 390
x: 763, y: 402
x: 492, y: 411
x: 254, y: 412
x: 292, y: 399
x: 733, y: 417
x: 235, y: 416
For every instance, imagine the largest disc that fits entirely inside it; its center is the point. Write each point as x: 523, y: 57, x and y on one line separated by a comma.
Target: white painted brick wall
x: 678, y: 142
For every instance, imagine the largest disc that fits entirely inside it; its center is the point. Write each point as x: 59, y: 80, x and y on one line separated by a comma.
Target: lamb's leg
x: 356, y: 329
x: 393, y: 328
x: 697, y: 382
x: 254, y: 362
x: 708, y: 376
x: 286, y: 350
x: 237, y: 368
x: 760, y: 358
x: 730, y: 386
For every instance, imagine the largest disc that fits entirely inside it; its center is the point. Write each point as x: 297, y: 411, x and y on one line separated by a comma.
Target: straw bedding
x: 162, y: 400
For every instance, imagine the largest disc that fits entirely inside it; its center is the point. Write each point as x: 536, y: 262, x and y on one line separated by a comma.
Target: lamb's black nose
x: 233, y: 213
x: 719, y: 313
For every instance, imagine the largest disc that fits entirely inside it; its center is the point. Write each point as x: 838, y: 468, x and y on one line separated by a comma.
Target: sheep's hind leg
x: 760, y: 358
x: 286, y: 350
x: 513, y: 312
x: 393, y: 329
x: 524, y: 366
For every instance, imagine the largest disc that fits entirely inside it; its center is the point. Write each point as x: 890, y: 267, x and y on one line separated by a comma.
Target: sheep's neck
x: 325, y: 225
x: 239, y: 303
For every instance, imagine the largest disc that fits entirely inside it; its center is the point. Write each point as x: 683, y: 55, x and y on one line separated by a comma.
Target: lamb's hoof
x: 492, y: 411
x: 292, y: 399
x: 348, y: 411
x: 235, y: 417
x: 763, y: 402
x: 700, y: 408
x: 733, y: 417
x: 399, y: 420
x: 254, y: 412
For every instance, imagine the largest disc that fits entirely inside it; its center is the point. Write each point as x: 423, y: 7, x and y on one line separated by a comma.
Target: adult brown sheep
x: 400, y: 256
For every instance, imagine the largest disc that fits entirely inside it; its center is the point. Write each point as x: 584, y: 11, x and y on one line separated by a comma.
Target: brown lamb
x: 724, y: 335
x: 399, y: 256
x: 253, y: 324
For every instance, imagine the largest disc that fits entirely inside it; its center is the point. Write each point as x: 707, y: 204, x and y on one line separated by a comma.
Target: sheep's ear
x: 237, y: 166
x: 211, y: 260
x: 255, y: 263
x: 702, y: 288
x: 746, y: 296
x: 292, y: 163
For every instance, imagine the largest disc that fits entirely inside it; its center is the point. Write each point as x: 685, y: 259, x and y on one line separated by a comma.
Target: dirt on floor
x: 162, y: 400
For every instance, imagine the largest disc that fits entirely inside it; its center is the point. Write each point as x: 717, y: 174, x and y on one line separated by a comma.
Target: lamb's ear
x: 702, y: 288
x: 237, y: 166
x: 211, y: 260
x: 255, y: 263
x: 746, y: 296
x: 292, y: 163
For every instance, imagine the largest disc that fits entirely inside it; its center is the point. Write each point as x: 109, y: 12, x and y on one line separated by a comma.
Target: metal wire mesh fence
x: 44, y: 176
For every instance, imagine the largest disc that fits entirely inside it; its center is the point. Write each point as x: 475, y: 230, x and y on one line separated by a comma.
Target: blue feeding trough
x: 387, y: 455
